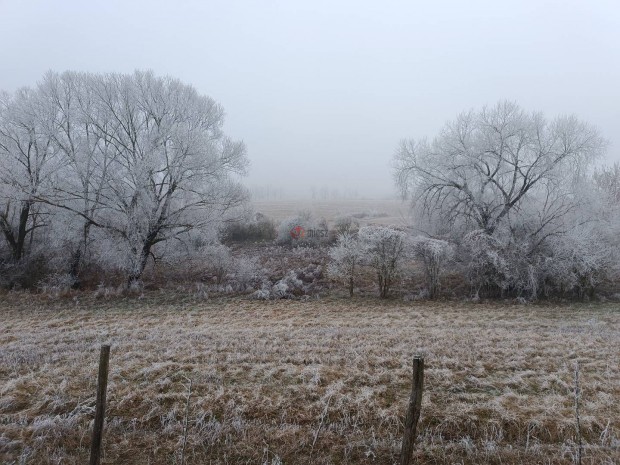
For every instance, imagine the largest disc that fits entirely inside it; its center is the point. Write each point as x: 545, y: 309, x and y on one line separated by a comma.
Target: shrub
x: 24, y: 274
x: 218, y: 261
x: 344, y: 224
x: 433, y: 253
x: 259, y: 229
x: 246, y: 274
x: 579, y: 262
x: 383, y: 250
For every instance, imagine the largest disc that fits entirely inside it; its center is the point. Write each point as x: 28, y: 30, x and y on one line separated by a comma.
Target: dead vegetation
x: 306, y: 382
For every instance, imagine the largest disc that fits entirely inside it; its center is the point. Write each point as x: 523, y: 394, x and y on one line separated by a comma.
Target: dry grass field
x: 385, y: 212
x: 311, y: 382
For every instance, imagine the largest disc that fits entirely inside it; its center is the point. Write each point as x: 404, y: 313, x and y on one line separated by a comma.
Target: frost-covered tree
x: 505, y: 185
x: 345, y: 256
x: 28, y: 160
x: 81, y: 184
x: 145, y: 160
x: 485, y: 167
x: 174, y: 168
x: 383, y: 251
x: 141, y: 159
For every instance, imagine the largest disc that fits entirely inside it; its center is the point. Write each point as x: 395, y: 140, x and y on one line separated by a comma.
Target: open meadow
x: 366, y: 211
x: 314, y: 382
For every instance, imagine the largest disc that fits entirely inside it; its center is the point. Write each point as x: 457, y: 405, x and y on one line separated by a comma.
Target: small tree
x: 433, y: 253
x: 383, y: 250
x: 345, y: 255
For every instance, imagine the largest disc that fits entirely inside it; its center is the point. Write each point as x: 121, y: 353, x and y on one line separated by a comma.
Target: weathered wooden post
x: 577, y: 416
x: 102, y: 385
x: 413, y: 411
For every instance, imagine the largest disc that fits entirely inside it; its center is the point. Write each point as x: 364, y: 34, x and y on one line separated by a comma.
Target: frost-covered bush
x: 230, y: 273
x: 57, y: 283
x: 288, y: 287
x: 311, y: 273
x: 345, y: 257
x: 383, y: 251
x: 346, y: 224
x: 433, y: 253
x: 496, y: 267
x: 579, y: 262
x: 263, y: 293
x: 294, y: 284
x: 280, y: 290
x: 218, y: 261
x: 246, y: 273
x: 573, y: 263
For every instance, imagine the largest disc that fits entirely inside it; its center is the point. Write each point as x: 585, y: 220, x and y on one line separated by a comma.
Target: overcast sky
x: 322, y: 91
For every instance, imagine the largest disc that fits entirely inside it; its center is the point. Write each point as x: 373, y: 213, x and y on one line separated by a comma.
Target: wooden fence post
x: 102, y: 385
x: 577, y: 416
x: 413, y: 411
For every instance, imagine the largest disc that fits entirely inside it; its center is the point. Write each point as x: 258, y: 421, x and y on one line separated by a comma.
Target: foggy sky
x: 322, y: 91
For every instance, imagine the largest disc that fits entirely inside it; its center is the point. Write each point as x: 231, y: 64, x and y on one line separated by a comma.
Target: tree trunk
x: 136, y: 274
x: 22, y: 230
x: 78, y: 255
x: 384, y: 286
x: 74, y: 267
x: 17, y: 239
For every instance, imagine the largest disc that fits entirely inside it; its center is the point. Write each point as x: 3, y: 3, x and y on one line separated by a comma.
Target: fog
x: 322, y: 92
